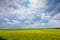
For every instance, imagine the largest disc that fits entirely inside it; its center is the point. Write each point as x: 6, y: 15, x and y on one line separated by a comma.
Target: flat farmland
x: 38, y: 34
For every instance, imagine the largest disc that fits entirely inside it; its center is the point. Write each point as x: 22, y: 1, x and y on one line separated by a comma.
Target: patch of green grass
x: 39, y: 34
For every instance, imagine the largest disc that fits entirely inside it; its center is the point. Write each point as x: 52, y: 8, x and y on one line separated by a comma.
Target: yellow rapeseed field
x: 43, y: 34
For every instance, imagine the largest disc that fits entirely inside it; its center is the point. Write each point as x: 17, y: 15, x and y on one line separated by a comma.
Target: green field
x: 38, y: 34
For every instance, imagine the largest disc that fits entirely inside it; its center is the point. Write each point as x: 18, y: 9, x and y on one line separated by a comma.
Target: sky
x: 16, y: 14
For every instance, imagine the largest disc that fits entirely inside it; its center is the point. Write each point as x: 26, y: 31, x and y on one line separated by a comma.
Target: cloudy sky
x: 29, y: 14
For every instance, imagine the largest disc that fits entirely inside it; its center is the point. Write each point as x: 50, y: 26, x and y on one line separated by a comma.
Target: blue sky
x: 29, y: 14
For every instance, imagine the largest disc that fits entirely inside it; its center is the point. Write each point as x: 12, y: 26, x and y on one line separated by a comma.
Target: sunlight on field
x: 44, y: 34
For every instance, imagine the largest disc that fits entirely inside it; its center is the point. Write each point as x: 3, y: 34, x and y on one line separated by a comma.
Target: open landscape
x: 30, y: 34
x: 29, y: 19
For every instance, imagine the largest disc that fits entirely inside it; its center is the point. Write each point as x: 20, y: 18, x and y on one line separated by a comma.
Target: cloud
x: 55, y: 23
x: 56, y: 17
x: 37, y: 4
x: 55, y: 20
x: 29, y: 14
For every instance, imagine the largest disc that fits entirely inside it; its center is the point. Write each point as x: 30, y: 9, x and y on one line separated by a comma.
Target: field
x: 38, y: 34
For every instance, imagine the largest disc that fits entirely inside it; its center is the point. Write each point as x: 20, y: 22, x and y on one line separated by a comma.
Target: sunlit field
x: 38, y: 34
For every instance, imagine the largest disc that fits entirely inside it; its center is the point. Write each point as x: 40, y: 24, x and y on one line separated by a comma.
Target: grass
x: 30, y: 34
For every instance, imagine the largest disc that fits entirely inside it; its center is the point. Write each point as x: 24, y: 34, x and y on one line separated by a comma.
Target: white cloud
x: 28, y: 21
x: 37, y: 4
x: 21, y: 10
x: 6, y: 19
x: 57, y: 16
x: 13, y: 7
x: 45, y: 16
x: 55, y: 22
x: 15, y: 21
